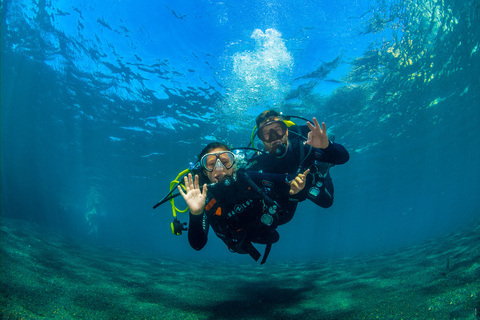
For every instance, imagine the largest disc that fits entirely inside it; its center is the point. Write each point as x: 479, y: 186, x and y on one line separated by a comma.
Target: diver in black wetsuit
x: 235, y: 204
x: 296, y: 153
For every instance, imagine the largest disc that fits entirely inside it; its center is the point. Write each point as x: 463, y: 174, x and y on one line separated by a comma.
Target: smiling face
x: 217, y: 161
x: 273, y: 133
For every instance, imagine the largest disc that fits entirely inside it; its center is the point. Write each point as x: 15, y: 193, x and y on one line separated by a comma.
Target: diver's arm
x: 198, y: 231
x: 195, y: 199
x: 280, y: 182
x: 289, y: 183
x: 335, y: 154
x: 321, y: 195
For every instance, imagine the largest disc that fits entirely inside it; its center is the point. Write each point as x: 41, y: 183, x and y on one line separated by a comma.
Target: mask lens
x: 210, y: 160
x: 271, y: 131
x: 227, y: 159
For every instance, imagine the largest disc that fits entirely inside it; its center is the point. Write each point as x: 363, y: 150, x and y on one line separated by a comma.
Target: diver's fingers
x: 299, y: 180
x: 293, y: 186
x: 291, y: 190
x: 196, y: 182
x: 294, y: 190
x: 190, y: 181
x: 204, y: 192
x: 181, y: 191
x: 310, y: 126
x: 315, y: 122
x: 324, y: 127
x: 298, y: 183
x: 185, y: 180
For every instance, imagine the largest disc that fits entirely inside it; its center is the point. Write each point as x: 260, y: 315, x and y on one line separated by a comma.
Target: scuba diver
x: 241, y: 207
x: 297, y: 153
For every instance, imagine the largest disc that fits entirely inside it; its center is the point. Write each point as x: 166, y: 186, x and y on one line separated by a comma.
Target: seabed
x: 46, y: 276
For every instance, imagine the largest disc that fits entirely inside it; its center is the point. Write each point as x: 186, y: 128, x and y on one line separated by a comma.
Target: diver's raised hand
x: 297, y: 184
x: 194, y: 197
x: 317, y: 137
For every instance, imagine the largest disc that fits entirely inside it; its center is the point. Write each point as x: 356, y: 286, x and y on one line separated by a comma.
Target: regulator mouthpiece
x: 280, y: 150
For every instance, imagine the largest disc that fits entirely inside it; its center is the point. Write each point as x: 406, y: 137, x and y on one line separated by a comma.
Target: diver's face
x: 275, y: 135
x: 219, y: 172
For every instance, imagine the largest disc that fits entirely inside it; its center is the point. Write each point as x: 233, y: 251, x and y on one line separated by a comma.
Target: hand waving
x: 195, y: 198
x: 317, y: 137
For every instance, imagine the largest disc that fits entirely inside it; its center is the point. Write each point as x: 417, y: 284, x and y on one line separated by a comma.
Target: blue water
x: 103, y: 103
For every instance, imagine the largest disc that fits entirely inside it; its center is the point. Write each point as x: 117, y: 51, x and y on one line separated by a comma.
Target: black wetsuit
x: 241, y: 215
x: 299, y: 158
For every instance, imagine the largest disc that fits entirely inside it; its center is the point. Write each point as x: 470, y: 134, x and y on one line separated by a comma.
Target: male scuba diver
x: 297, y: 153
x: 234, y: 203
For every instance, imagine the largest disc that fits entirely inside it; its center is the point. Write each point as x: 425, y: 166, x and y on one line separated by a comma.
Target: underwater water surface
x: 103, y: 104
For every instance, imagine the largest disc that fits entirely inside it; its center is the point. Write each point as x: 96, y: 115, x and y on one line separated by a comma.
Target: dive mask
x: 220, y: 160
x: 272, y: 130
